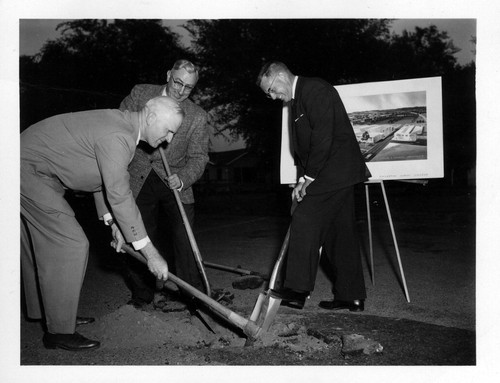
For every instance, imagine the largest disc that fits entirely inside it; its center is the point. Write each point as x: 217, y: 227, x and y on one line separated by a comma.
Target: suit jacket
x: 323, y: 140
x: 86, y: 151
x: 187, y: 154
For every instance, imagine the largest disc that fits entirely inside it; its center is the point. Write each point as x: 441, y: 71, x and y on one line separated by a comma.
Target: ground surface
x: 435, y: 234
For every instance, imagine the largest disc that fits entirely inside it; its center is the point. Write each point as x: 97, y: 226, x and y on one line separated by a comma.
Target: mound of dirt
x: 128, y: 326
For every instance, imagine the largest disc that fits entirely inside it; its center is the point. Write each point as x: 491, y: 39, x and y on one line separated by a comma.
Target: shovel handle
x: 192, y: 240
x: 248, y: 327
x: 279, y: 261
x: 236, y: 270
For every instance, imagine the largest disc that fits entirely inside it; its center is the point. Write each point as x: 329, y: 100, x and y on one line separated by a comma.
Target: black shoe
x: 84, y: 320
x: 291, y: 298
x: 357, y: 305
x: 70, y: 342
x: 248, y: 282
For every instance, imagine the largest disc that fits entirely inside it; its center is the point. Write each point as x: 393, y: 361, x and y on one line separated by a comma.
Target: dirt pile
x: 130, y: 327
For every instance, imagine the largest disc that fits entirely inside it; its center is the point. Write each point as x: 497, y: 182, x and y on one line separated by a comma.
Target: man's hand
x: 299, y: 191
x: 156, y: 263
x: 174, y: 182
x: 118, y: 239
x: 158, y: 267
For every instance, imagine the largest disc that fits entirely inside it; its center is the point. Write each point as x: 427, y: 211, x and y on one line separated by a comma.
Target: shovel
x: 251, y: 328
x: 189, y: 231
x: 248, y: 279
x: 267, y: 305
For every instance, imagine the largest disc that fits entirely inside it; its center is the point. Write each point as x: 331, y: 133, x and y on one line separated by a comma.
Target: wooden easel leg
x: 395, y: 241
x: 370, y: 239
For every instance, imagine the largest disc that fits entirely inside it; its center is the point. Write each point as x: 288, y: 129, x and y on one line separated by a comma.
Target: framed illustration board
x: 398, y: 126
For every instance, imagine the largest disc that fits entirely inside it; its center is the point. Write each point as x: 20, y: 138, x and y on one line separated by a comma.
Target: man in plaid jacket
x: 187, y: 156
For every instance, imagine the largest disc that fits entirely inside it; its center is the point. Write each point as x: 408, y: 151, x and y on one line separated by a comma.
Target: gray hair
x: 162, y: 104
x: 270, y: 69
x: 188, y: 66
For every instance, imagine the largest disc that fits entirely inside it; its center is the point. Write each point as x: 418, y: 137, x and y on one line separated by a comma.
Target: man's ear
x: 168, y: 75
x: 150, y: 118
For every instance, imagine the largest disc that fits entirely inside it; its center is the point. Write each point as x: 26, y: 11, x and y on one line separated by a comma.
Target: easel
x: 392, y: 231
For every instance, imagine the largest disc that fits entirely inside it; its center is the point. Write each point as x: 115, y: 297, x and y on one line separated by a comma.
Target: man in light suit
x: 86, y: 151
x: 329, y: 164
x: 187, y: 156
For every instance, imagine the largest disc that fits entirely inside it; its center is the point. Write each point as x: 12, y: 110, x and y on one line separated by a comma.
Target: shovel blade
x: 258, y: 306
x: 264, y: 312
x: 267, y: 315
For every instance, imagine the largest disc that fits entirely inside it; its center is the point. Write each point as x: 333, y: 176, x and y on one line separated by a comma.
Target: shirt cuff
x: 309, y: 178
x: 138, y: 245
x: 107, y: 217
x: 182, y: 185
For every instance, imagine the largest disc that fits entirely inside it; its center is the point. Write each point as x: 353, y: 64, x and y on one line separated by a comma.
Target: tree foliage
x: 99, y: 54
x: 423, y: 53
x: 232, y: 52
x: 94, y: 64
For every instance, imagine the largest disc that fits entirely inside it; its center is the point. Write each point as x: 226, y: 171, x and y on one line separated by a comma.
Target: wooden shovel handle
x: 189, y: 231
x: 248, y: 327
x: 279, y: 261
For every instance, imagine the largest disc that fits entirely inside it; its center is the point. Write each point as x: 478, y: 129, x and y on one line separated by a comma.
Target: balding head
x: 164, y: 105
x: 163, y: 116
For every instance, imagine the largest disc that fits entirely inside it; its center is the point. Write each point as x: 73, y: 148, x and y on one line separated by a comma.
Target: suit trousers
x: 165, y: 227
x: 54, y: 255
x: 326, y: 221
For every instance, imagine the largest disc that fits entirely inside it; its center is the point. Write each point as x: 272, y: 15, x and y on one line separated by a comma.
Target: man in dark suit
x: 329, y: 164
x: 86, y: 151
x: 187, y: 156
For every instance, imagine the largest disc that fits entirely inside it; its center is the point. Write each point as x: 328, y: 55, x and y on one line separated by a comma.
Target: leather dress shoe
x: 357, y: 305
x: 291, y: 298
x: 84, y: 320
x: 70, y: 342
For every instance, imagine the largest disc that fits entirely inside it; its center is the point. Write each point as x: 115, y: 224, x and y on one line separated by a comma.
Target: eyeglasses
x: 178, y: 84
x: 270, y: 89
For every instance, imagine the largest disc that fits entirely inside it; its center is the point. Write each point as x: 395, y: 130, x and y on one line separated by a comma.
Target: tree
x: 424, y: 53
x: 232, y: 52
x: 94, y: 64
x: 459, y: 120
